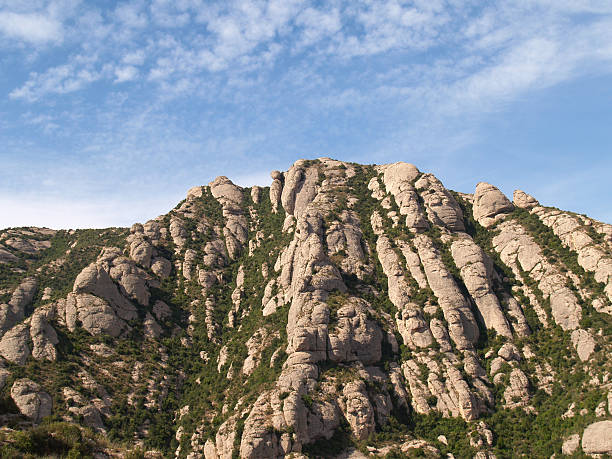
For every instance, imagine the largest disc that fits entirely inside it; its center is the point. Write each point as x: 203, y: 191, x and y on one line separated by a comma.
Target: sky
x: 111, y: 110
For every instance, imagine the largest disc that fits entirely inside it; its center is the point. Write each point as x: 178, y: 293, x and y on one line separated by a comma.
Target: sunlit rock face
x: 342, y: 308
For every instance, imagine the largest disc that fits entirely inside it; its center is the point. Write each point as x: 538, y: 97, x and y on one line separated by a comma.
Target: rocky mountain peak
x: 343, y: 311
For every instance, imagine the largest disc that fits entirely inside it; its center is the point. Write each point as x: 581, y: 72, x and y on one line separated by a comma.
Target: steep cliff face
x: 345, y: 310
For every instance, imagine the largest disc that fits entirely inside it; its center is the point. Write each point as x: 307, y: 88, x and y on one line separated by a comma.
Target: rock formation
x: 344, y: 309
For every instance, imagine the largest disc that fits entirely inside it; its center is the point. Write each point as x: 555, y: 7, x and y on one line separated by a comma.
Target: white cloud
x: 62, y: 79
x: 130, y: 14
x: 124, y: 74
x: 32, y: 28
x: 134, y: 58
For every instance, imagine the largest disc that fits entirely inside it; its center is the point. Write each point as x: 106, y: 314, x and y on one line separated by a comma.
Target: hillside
x: 346, y: 310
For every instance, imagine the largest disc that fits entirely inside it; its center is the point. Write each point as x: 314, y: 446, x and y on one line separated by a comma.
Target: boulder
x: 44, y: 337
x: 96, y: 280
x: 95, y: 315
x: 161, y: 267
x: 490, y: 204
x: 597, y: 438
x: 14, y: 344
x: 13, y: 312
x: 31, y: 400
x: 256, y: 194
x: 441, y: 206
x: 523, y: 200
x: 584, y: 343
x: 570, y: 444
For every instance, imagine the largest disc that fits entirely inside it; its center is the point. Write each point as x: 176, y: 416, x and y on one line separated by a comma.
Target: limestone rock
x: 571, y: 443
x: 276, y: 190
x: 410, y: 322
x: 14, y: 344
x: 522, y: 254
x: 577, y: 234
x: 95, y: 315
x: 356, y: 337
x: 31, y: 400
x: 490, y: 204
x: 256, y: 194
x: 95, y: 279
x: 462, y: 325
x: 224, y: 190
x: 13, y: 312
x: 523, y: 200
x: 597, y: 438
x: 6, y: 256
x: 161, y: 310
x: 178, y: 232
x: 442, y: 208
x: 236, y: 229
x: 44, y: 337
x: 161, y: 267
x: 151, y: 328
x: 28, y: 246
x: 517, y: 392
x: 583, y: 343
x: 300, y: 188
x: 476, y: 271
x: 358, y: 410
x: 398, y: 179
x: 141, y: 250
x: 24, y: 293
x: 194, y: 192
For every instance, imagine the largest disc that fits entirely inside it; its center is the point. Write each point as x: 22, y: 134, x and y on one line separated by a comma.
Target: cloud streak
x: 137, y: 92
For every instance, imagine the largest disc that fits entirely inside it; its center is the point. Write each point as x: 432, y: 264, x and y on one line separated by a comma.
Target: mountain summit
x: 344, y: 311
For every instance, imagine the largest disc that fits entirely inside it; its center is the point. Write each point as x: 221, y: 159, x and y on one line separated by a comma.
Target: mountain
x: 346, y: 310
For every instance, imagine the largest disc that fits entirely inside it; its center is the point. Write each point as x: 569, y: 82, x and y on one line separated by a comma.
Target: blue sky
x: 110, y: 111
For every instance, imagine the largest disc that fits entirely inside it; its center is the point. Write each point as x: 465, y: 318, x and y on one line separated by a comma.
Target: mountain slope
x: 346, y: 309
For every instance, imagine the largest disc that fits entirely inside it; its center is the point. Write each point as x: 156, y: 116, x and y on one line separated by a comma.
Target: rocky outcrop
x: 583, y: 343
x: 32, y: 401
x: 96, y: 279
x: 300, y: 188
x: 523, y: 200
x: 523, y: 255
x: 358, y: 409
x: 570, y: 445
x: 14, y: 344
x: 355, y: 335
x: 236, y: 228
x: 442, y: 208
x: 410, y: 321
x: 276, y: 189
x: 6, y: 256
x: 398, y: 180
x: 576, y: 233
x: 363, y: 297
x: 28, y: 246
x: 477, y: 272
x: 517, y: 392
x: 490, y: 204
x: 44, y: 336
x: 93, y: 313
x: 14, y: 312
x: 597, y: 438
x: 462, y: 325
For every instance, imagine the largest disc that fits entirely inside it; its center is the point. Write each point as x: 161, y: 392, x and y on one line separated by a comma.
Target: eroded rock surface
x: 32, y: 401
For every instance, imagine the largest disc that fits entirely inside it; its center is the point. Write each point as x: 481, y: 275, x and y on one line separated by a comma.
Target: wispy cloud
x: 32, y: 28
x: 129, y: 86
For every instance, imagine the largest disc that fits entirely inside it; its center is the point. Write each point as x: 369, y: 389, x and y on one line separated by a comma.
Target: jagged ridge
x: 346, y: 308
